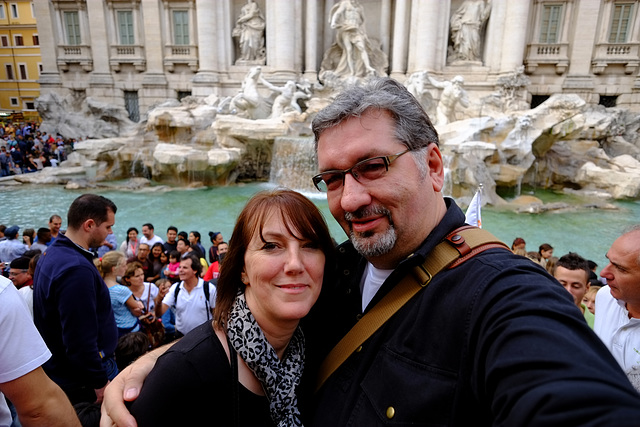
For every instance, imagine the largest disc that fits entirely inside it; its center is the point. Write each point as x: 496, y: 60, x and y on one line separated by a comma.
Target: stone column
x: 153, y: 44
x: 311, y: 39
x: 400, y: 40
x: 281, y: 34
x: 429, y: 33
x: 205, y: 81
x: 514, y: 39
x: 101, y: 75
x: 49, y: 79
x: 579, y: 78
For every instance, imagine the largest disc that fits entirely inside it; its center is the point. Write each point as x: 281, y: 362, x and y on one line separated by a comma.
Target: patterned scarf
x: 279, y: 378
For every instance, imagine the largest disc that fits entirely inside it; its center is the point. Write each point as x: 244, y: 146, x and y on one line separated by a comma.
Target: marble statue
x: 467, y: 24
x: 249, y: 30
x: 287, y: 99
x: 452, y: 95
x: 353, y: 53
x: 248, y: 103
x: 416, y: 85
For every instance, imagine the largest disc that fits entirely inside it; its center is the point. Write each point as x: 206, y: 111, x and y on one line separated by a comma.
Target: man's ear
x: 88, y: 225
x: 436, y: 167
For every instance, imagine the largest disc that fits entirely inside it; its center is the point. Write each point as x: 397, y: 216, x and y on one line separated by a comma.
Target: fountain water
x: 294, y: 163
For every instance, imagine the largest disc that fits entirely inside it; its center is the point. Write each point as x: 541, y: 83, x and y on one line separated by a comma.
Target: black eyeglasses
x: 363, y: 172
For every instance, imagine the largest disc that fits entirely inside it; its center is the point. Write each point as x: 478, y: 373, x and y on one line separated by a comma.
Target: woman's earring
x: 244, y: 279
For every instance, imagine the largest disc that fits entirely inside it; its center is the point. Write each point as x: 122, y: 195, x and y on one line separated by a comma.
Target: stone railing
x: 180, y: 54
x: 627, y: 54
x: 127, y: 54
x: 74, y: 54
x: 548, y: 54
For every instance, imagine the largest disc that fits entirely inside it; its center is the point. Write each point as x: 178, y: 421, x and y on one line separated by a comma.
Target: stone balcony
x: 548, y: 54
x: 627, y: 54
x: 74, y: 54
x: 127, y: 54
x: 181, y: 54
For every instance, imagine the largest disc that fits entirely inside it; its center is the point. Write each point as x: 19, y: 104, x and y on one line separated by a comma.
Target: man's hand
x: 126, y: 387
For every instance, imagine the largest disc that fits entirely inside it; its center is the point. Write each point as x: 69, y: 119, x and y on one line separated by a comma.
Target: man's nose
x: 354, y: 194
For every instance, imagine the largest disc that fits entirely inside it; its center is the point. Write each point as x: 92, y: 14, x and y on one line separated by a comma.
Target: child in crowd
x: 171, y: 271
x: 590, y: 298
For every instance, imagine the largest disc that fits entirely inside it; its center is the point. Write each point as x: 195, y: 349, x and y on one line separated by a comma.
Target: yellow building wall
x: 18, y: 94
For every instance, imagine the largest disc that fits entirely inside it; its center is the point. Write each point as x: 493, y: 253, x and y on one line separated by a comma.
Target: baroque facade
x: 136, y: 53
x: 21, y: 61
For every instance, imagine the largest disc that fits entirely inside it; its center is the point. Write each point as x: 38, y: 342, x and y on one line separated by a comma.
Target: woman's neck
x: 137, y: 289
x: 279, y: 335
x: 110, y: 280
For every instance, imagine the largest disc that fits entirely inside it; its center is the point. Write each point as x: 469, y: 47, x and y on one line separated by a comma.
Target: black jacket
x: 494, y: 341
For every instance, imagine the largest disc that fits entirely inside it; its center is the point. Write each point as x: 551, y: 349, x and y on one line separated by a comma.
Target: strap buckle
x: 422, y: 276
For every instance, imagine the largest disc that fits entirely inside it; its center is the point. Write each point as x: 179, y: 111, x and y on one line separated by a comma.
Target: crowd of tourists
x: 25, y: 149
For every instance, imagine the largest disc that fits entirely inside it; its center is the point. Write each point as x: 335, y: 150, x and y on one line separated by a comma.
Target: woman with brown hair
x: 246, y: 365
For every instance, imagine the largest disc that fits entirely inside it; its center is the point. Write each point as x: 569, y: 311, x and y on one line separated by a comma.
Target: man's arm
x: 126, y: 387
x: 161, y: 308
x: 39, y: 401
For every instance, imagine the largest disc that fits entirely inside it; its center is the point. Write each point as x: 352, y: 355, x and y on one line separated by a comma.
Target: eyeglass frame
x: 386, y: 159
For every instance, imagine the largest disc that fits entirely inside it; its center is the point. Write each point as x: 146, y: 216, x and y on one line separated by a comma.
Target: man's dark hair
x: 130, y: 347
x: 195, y: 262
x: 89, y: 206
x: 183, y: 236
x: 52, y: 217
x: 43, y: 234
x: 148, y: 225
x: 171, y: 227
x: 573, y: 261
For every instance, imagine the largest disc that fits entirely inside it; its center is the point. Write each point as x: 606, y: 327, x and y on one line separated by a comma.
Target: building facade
x: 136, y: 53
x: 20, y: 57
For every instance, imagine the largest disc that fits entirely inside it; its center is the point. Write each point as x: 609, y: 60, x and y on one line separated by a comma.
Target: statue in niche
x: 287, y: 99
x: 452, y: 95
x: 467, y: 24
x: 352, y: 54
x: 249, y: 31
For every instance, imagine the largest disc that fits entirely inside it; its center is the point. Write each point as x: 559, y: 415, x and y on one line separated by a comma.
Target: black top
x: 193, y: 384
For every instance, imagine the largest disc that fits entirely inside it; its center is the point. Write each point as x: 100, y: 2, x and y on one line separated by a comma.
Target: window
x: 4, y: 40
x: 9, y: 69
x: 22, y: 68
x: 183, y: 94
x: 538, y: 99
x: 36, y: 40
x: 72, y: 25
x: 2, y: 14
x: 620, y: 22
x: 550, y: 27
x: 13, y: 101
x: 14, y: 10
x: 19, y: 41
x: 125, y: 24
x: 40, y: 68
x: 181, y: 27
x: 608, y: 101
x: 30, y: 105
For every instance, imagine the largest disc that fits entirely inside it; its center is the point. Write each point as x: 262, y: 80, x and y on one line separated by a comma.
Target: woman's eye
x: 269, y: 246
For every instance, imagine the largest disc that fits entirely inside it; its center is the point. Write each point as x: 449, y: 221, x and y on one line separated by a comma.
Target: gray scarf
x: 279, y: 378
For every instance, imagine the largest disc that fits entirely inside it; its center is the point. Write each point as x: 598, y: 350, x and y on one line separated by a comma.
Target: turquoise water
x: 589, y: 232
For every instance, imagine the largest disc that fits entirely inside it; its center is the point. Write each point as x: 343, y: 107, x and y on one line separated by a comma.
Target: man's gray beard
x: 370, y: 244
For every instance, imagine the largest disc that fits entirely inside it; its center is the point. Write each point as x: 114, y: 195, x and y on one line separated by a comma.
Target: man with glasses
x: 493, y: 341
x: 19, y: 272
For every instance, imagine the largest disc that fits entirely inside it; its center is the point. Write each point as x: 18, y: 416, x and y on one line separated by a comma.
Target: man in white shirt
x: 192, y: 303
x: 148, y: 235
x: 618, y: 304
x: 38, y: 400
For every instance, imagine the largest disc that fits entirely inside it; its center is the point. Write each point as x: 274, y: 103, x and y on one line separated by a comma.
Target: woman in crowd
x: 546, y: 251
x: 130, y: 246
x: 155, y: 262
x: 194, y: 239
x: 142, y: 291
x: 125, y: 307
x: 245, y: 366
x: 216, y: 237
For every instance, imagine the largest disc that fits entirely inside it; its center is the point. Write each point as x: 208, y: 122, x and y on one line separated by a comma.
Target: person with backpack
x: 192, y: 298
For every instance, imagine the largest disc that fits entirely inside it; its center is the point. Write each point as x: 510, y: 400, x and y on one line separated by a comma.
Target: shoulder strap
x: 175, y: 294
x: 460, y: 245
x: 205, y: 288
